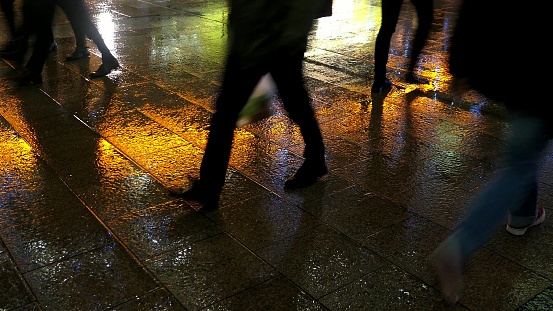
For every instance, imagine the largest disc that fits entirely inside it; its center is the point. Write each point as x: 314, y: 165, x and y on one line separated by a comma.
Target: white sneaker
x: 520, y: 231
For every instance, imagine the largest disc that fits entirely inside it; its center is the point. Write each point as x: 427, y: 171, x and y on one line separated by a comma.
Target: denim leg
x: 512, y: 191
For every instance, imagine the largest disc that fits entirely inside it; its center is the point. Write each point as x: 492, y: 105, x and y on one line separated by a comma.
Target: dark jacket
x: 261, y: 29
x: 495, y: 46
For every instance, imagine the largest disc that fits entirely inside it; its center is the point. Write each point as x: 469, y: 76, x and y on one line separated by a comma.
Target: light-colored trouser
x: 513, y: 191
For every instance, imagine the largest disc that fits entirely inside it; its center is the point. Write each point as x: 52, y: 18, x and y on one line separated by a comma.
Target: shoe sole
x: 522, y: 231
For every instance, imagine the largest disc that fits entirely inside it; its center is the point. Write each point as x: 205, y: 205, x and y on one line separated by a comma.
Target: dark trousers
x: 390, y: 15
x: 78, y: 15
x: 37, y: 20
x: 238, y: 84
x: 7, y: 8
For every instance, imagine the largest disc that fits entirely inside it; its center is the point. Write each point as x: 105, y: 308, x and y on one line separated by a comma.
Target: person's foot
x: 447, y: 264
x: 198, y: 194
x: 306, y: 175
x: 108, y: 65
x: 78, y: 54
x: 540, y: 217
x: 29, y: 77
x: 381, y: 86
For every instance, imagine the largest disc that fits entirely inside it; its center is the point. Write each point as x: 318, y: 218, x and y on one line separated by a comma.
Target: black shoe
x: 108, y: 65
x: 379, y: 87
x: 29, y: 77
x: 198, y: 194
x: 78, y: 54
x: 306, y: 176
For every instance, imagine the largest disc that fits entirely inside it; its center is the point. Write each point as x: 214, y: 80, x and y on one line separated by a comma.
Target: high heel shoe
x: 108, y: 65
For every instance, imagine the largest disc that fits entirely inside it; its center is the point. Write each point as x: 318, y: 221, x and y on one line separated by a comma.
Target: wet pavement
x: 87, y: 221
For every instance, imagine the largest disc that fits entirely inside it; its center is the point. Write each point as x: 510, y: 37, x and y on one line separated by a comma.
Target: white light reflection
x: 106, y: 27
x: 356, y: 11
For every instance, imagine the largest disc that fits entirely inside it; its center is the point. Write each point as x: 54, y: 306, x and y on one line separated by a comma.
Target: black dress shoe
x: 78, y: 54
x: 198, y: 194
x: 29, y: 77
x: 381, y: 86
x: 108, y: 65
x: 306, y: 175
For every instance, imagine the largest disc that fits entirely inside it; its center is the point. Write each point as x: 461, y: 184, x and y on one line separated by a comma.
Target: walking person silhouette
x: 272, y: 42
x: 480, y: 49
x: 390, y: 16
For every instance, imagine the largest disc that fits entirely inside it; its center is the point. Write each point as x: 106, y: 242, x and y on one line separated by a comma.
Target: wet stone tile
x: 357, y: 215
x: 159, y: 299
x: 46, y: 240
x: 174, y: 167
x: 256, y: 157
x: 318, y: 192
x: 238, y: 188
x: 408, y: 245
x: 199, y: 93
x: 13, y: 292
x: 71, y: 145
x: 273, y: 295
x: 188, y: 120
x: 439, y: 202
x: 533, y: 250
x: 209, y: 271
x: 263, y: 220
x: 135, y: 134
x: 542, y: 301
x: 388, y: 288
x: 275, y: 129
x: 34, y: 201
x: 458, y: 169
x: 495, y: 282
x: 153, y: 231
x: 384, y: 176
x: 320, y: 260
x: 105, y: 166
x: 137, y: 96
x: 23, y: 106
x: 95, y: 280
x: 29, y: 307
x: 138, y: 191
x: 21, y: 167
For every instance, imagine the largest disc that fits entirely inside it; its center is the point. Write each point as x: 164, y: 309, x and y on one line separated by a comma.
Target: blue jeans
x: 513, y: 192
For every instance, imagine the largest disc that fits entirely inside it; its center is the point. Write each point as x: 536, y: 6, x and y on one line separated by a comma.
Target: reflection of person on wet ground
x: 273, y: 42
x: 390, y: 15
x: 37, y: 20
x: 16, y: 47
x: 478, y: 53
